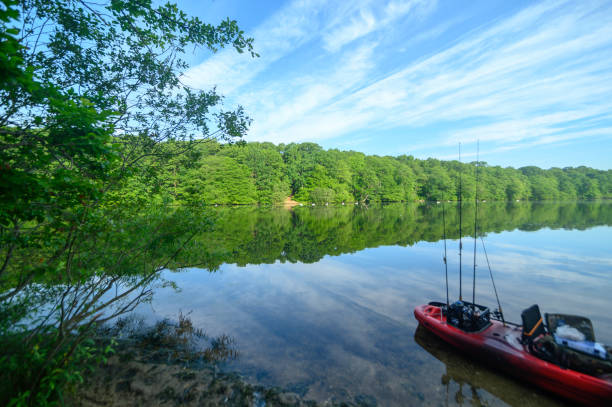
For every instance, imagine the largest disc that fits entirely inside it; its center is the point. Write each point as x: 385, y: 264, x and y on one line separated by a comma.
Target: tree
x: 300, y: 160
x: 347, y: 176
x: 96, y: 90
x: 219, y: 180
x: 438, y: 185
x: 267, y: 169
x: 88, y: 93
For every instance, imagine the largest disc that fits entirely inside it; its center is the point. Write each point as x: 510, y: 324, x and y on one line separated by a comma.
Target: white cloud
x: 286, y: 30
x: 542, y: 75
x: 360, y: 25
x: 368, y: 16
x: 295, y: 25
x: 525, y: 78
x: 294, y: 113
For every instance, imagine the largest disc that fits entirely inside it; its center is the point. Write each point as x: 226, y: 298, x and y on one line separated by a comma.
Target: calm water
x: 320, y: 300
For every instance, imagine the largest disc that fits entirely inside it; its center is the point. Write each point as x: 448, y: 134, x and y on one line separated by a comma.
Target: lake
x: 320, y: 300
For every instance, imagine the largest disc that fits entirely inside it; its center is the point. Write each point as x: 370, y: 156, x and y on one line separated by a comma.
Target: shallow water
x: 322, y: 302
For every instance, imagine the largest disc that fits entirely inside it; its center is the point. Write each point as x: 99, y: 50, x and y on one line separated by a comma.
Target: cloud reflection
x: 344, y: 326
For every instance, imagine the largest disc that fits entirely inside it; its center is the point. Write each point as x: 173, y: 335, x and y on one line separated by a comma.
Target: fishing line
x: 460, y: 203
x: 493, y: 281
x: 475, y: 227
x: 445, y: 265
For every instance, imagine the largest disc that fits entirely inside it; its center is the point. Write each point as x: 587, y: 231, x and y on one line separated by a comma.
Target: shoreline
x: 176, y: 364
x: 139, y: 383
x: 132, y: 378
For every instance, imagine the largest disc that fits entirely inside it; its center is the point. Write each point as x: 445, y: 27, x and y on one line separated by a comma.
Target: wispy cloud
x: 540, y: 75
x: 285, y: 31
x: 294, y: 114
x: 362, y: 24
x: 368, y: 17
x: 517, y: 70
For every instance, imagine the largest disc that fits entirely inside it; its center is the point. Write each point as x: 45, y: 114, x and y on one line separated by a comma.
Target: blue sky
x: 531, y: 80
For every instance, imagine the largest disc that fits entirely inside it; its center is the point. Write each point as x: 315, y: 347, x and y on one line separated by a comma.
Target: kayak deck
x: 500, y: 345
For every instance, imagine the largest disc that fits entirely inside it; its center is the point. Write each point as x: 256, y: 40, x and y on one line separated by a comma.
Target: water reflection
x: 342, y: 328
x: 466, y: 382
x: 255, y: 235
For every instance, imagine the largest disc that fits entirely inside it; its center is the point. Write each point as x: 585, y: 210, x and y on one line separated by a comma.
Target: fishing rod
x: 460, y: 202
x: 445, y: 264
x: 499, y: 307
x: 475, y: 227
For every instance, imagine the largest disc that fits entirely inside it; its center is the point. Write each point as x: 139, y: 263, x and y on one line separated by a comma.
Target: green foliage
x: 219, y: 180
x: 49, y: 364
x: 322, y: 195
x: 91, y: 111
x: 97, y: 134
x: 115, y: 259
x: 225, y: 174
x: 266, y: 168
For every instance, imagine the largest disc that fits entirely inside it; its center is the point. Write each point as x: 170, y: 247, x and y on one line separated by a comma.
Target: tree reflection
x: 55, y: 291
x: 256, y: 235
x: 53, y: 296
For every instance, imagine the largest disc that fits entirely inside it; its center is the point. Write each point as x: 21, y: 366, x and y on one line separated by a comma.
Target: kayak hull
x: 500, y: 345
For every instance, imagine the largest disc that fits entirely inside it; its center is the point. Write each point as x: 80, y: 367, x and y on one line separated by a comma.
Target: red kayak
x: 501, y: 345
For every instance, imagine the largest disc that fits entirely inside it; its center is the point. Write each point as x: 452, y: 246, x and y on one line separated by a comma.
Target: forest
x: 248, y: 173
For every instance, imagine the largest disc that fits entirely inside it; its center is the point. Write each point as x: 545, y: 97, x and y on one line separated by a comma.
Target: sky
x: 531, y: 81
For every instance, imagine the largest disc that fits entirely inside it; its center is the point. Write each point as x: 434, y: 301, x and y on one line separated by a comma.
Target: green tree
x: 516, y: 185
x: 88, y: 93
x: 348, y: 176
x: 267, y: 168
x: 219, y: 180
x: 438, y: 184
x: 300, y: 160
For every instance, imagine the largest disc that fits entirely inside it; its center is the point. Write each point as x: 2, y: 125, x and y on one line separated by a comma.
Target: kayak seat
x: 533, y: 324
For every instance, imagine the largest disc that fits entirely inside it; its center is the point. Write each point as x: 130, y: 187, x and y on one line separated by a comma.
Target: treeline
x: 247, y: 173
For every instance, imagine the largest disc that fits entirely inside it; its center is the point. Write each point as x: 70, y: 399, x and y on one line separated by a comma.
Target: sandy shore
x: 290, y: 203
